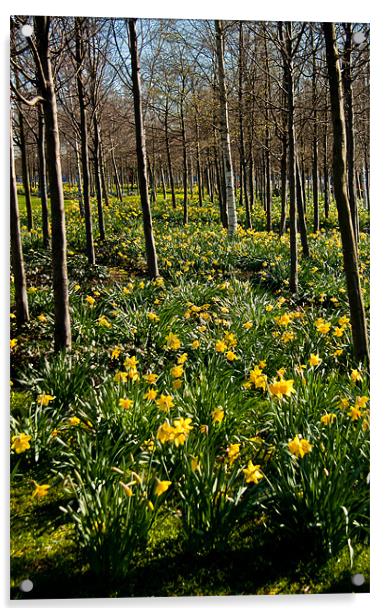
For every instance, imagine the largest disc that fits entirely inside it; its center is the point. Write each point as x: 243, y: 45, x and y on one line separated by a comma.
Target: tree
x: 17, y: 261
x: 224, y: 132
x: 151, y: 253
x: 80, y: 55
x: 46, y: 86
x: 350, y: 256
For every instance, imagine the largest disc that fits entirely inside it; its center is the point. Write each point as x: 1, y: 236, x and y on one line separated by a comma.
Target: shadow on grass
x: 261, y: 567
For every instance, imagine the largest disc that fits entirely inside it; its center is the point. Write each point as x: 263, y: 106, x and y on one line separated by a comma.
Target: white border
x: 326, y: 10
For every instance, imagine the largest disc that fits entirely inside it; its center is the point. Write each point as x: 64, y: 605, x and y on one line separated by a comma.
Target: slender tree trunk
x: 286, y: 37
x: 80, y: 181
x: 301, y: 216
x: 163, y: 182
x: 17, y: 261
x: 243, y: 161
x: 267, y: 93
x: 184, y: 159
x: 25, y: 172
x: 43, y: 177
x: 347, y: 91
x: 367, y: 178
x: 283, y: 188
x: 326, y: 182
x: 168, y: 155
x: 350, y: 255
x: 198, y: 157
x: 79, y: 34
x: 315, y: 162
x: 224, y: 133
x: 62, y: 331
x: 103, y: 173
x: 116, y: 175
x: 98, y: 179
x: 151, y: 253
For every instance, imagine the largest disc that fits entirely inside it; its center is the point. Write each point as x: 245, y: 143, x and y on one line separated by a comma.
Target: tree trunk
x: 184, y: 159
x: 243, y: 161
x: 283, y: 185
x: 286, y: 36
x: 62, y: 332
x: 79, y: 34
x: 230, y: 205
x: 350, y: 255
x: 98, y: 179
x: 103, y: 173
x: 151, y: 253
x: 116, y: 175
x: 163, y: 182
x: 301, y: 216
x: 326, y: 181
x: 350, y: 139
x: 315, y: 162
x: 43, y: 177
x: 25, y: 172
x: 168, y: 155
x: 17, y: 261
x: 79, y: 171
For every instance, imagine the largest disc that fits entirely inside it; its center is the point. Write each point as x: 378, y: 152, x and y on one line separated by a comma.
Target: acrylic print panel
x: 189, y: 307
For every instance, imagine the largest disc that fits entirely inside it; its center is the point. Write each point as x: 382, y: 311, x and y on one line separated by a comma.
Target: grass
x: 44, y: 550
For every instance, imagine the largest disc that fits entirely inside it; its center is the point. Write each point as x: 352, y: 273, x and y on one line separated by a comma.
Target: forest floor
x: 258, y: 484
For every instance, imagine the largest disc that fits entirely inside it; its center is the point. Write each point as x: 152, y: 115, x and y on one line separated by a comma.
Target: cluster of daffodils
x: 177, y: 433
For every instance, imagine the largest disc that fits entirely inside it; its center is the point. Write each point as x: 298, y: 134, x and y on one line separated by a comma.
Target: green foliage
x: 215, y: 338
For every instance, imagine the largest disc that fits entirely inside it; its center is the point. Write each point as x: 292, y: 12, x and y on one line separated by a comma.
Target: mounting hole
x: 27, y: 30
x: 358, y: 38
x: 26, y: 586
x: 358, y: 579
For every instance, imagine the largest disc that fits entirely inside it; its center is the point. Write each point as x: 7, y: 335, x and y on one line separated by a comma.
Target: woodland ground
x: 221, y: 333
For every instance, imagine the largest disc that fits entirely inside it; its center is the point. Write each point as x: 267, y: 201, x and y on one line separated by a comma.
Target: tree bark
x: 230, y: 205
x: 98, y: 178
x: 62, y: 330
x: 301, y: 216
x: 43, y: 177
x: 315, y: 163
x: 350, y: 255
x: 151, y: 253
x: 25, y: 172
x: 17, y: 261
x: 243, y: 161
x: 79, y: 34
x: 286, y: 38
x: 168, y: 155
x: 350, y: 138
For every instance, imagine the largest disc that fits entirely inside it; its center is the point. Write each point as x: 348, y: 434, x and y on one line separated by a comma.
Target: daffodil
x: 233, y: 452
x: 172, y: 342
x: 281, y: 388
x: 161, y: 487
x: 218, y: 414
x: 165, y: 402
x: 40, y: 490
x: 126, y: 403
x: 328, y: 418
x: 151, y: 394
x: 299, y: 447
x: 44, y: 399
x: 252, y: 473
x: 21, y: 442
x: 74, y: 421
x: 314, y: 360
